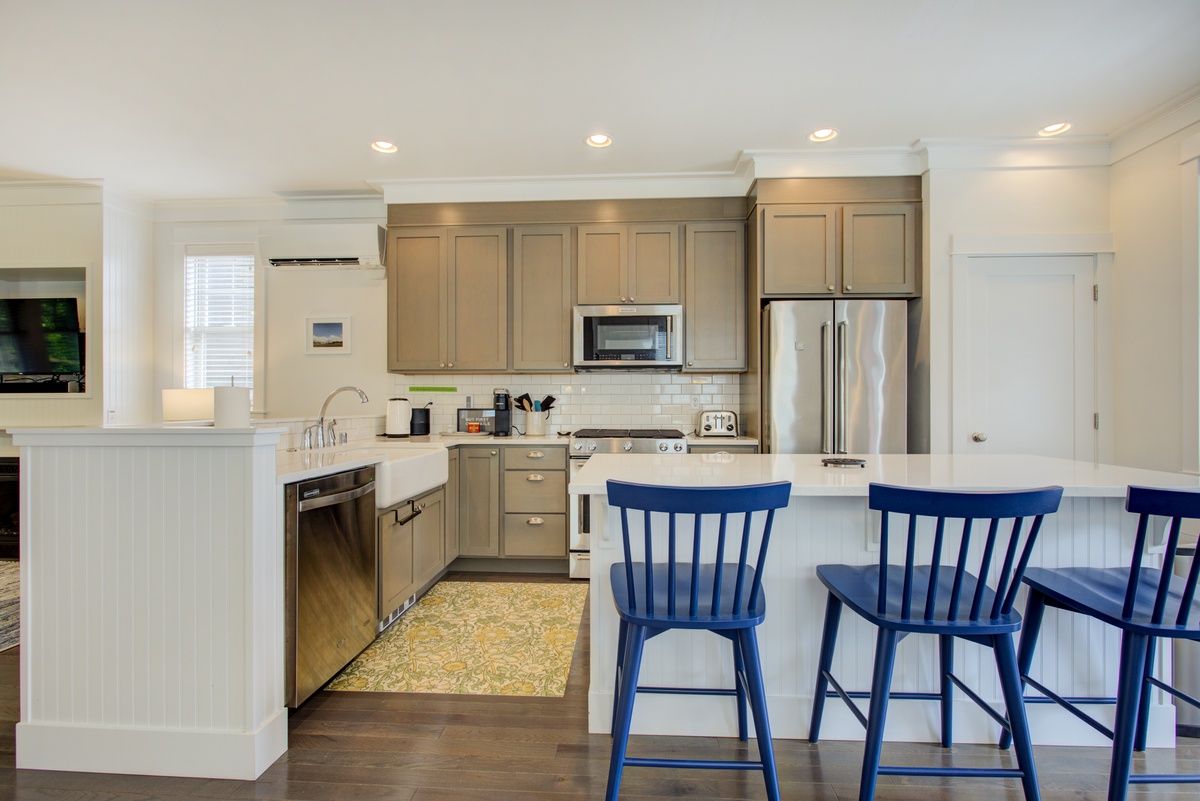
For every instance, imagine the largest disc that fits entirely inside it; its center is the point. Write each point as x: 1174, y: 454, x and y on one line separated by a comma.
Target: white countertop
x: 301, y: 465
x: 809, y: 477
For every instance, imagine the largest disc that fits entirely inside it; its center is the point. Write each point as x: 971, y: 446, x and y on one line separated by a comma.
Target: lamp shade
x: 187, y: 404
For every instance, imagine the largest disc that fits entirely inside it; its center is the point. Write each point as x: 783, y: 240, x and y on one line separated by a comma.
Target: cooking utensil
x: 523, y: 402
x: 548, y: 402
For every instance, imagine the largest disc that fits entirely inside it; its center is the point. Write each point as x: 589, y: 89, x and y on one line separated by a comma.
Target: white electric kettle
x: 399, y: 417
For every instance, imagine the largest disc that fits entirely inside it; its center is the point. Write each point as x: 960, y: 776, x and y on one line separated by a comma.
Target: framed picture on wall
x: 327, y: 335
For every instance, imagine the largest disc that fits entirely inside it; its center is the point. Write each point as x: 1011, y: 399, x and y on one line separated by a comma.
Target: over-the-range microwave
x: 628, y: 337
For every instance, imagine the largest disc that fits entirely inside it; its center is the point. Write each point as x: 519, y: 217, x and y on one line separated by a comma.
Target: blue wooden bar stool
x: 946, y: 599
x: 704, y: 576
x: 1146, y: 604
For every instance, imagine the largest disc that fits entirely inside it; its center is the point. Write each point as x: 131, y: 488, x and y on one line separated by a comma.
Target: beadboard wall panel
x: 152, y: 587
x: 128, y: 311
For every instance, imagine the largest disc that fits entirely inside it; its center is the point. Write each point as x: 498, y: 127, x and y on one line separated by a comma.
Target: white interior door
x: 1025, y: 356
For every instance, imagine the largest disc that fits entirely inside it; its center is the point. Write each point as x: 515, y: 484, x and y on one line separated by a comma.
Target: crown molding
x: 566, y: 187
x: 1164, y: 121
x: 829, y: 162
x: 1023, y: 153
x: 334, y: 207
x: 55, y: 192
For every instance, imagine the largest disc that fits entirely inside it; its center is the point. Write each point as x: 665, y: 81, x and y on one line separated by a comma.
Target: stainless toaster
x: 718, y: 424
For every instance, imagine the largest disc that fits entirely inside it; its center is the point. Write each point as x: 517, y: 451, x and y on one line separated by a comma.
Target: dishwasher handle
x: 338, y: 497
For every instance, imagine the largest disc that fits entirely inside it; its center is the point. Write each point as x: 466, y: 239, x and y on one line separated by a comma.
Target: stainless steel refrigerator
x: 835, y: 376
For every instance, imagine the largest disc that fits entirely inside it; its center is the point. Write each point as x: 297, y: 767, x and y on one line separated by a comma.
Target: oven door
x: 627, y: 337
x: 579, y: 530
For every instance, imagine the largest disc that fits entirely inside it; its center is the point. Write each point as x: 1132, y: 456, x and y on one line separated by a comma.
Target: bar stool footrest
x: 708, y: 764
x: 686, y: 690
x: 989, y: 773
x: 1165, y: 778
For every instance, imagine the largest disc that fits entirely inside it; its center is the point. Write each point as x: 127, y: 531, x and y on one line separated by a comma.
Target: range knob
x: 591, y: 446
x: 662, y: 446
x: 678, y: 447
x: 628, y: 446
x: 578, y: 446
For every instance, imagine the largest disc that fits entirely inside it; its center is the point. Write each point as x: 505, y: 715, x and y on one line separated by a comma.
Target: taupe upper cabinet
x: 541, y: 321
x: 851, y: 249
x: 628, y: 264
x: 715, y: 312
x: 466, y: 269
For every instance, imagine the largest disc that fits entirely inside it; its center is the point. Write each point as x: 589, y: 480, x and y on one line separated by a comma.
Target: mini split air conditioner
x: 309, y: 245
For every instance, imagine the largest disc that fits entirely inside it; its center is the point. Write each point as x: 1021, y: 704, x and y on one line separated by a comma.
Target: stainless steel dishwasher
x: 330, y: 588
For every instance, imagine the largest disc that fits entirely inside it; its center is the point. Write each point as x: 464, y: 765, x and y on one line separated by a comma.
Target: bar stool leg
x: 1133, y: 669
x: 739, y: 685
x: 946, y: 652
x: 881, y: 684
x: 833, y: 614
x: 1031, y: 626
x: 622, y: 636
x: 748, y: 643
x: 1143, y: 722
x: 1014, y: 701
x: 624, y: 709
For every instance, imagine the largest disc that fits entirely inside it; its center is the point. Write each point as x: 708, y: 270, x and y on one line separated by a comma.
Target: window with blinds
x: 219, y: 316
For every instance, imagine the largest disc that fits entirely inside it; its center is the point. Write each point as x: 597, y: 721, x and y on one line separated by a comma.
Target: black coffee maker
x: 502, y: 404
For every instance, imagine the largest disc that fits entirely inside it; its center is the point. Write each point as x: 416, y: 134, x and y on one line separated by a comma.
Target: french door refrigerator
x: 835, y: 376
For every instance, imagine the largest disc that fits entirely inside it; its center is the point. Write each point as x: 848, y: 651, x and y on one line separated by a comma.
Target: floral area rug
x: 475, y: 637
x: 10, y: 604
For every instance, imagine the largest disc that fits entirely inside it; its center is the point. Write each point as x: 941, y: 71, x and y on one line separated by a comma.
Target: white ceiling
x: 208, y: 99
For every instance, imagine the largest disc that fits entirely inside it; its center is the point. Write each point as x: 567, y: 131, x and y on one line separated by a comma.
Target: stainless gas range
x: 590, y: 441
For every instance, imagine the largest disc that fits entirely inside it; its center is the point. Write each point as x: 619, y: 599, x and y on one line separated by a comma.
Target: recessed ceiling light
x: 823, y: 134
x: 599, y: 140
x: 1055, y: 129
x: 384, y: 147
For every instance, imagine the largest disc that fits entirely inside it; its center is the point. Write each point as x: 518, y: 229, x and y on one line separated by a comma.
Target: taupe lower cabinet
x: 541, y: 318
x: 848, y: 249
x: 452, y: 507
x: 466, y: 270
x: 628, y: 264
x: 512, y: 501
x: 715, y: 312
x: 478, y: 501
x: 411, y: 548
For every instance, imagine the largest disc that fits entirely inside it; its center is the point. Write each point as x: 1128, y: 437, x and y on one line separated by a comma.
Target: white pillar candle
x: 232, y: 407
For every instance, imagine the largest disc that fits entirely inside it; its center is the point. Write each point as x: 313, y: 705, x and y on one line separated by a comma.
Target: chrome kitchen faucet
x: 325, y: 436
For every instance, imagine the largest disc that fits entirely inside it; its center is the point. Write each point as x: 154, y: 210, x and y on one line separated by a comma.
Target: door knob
x: 979, y: 436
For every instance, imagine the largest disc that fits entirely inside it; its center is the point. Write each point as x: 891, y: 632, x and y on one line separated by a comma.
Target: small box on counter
x: 484, y: 419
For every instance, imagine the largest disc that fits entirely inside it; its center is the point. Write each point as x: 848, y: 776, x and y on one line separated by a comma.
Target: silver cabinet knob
x: 565, y: 364
x: 442, y: 364
x: 451, y: 364
x: 622, y: 298
x: 493, y: 453
x: 632, y: 298
x: 979, y: 436
x: 848, y: 287
x: 690, y: 364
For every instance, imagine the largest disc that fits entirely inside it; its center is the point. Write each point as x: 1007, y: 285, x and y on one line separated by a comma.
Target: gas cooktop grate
x: 628, y: 433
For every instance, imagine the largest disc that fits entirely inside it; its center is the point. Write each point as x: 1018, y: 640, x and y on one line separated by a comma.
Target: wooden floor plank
x: 424, y: 747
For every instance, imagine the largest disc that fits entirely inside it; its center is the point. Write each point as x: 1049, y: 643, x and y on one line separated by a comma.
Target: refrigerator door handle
x: 841, y: 389
x: 826, y: 388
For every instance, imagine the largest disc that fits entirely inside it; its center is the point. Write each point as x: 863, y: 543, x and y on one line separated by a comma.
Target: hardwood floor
x: 414, y: 747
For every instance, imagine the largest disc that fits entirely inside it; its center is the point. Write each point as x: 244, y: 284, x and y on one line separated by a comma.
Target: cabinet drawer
x: 535, y: 457
x: 524, y: 535
x: 535, y: 491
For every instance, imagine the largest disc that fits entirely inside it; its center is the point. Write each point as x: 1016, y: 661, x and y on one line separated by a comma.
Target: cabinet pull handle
x: 535, y: 521
x: 535, y: 477
x: 535, y: 455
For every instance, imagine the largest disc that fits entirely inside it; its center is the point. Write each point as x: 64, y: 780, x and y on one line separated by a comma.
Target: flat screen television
x: 40, y: 336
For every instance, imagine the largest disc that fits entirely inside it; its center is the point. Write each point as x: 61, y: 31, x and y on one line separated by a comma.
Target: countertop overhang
x: 809, y: 477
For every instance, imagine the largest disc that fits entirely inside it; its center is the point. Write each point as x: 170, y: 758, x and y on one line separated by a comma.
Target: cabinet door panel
x: 479, y: 502
x: 416, y: 299
x: 395, y: 561
x: 451, y: 522
x: 879, y: 249
x: 799, y: 250
x: 602, y: 263
x: 654, y: 264
x: 715, y: 313
x: 429, y: 539
x: 478, y: 299
x: 542, y: 298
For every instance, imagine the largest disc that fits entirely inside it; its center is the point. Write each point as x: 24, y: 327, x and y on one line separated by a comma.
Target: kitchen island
x: 828, y: 521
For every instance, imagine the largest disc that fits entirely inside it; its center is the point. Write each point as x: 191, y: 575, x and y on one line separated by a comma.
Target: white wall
x: 1153, y: 202
x: 986, y: 194
x: 127, y: 283
x: 47, y: 226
